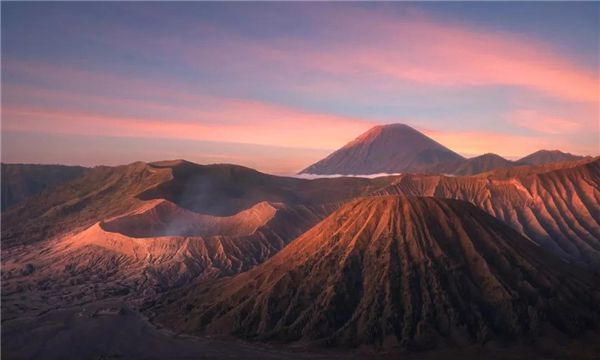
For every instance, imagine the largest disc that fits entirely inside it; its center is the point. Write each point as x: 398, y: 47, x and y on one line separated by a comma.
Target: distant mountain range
x: 398, y: 148
x: 392, y: 149
x: 546, y: 157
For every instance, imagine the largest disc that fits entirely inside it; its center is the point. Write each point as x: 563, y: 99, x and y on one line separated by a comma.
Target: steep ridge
x: 22, y: 181
x: 395, y: 148
x: 542, y: 157
x: 395, y: 271
x: 556, y: 205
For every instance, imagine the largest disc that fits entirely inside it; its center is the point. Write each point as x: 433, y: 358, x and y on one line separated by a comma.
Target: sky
x: 278, y: 86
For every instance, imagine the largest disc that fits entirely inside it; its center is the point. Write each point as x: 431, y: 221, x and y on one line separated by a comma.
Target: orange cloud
x: 234, y: 121
x: 164, y: 112
x: 275, y: 127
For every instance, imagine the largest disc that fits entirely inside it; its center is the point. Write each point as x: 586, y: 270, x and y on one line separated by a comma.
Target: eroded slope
x: 556, y: 205
x: 412, y: 272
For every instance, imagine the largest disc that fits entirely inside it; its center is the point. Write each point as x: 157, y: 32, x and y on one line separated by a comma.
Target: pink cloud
x: 543, y: 123
x: 173, y: 111
x: 371, y: 45
x: 170, y: 111
x: 452, y: 56
x: 235, y: 121
x: 419, y: 50
x: 376, y: 50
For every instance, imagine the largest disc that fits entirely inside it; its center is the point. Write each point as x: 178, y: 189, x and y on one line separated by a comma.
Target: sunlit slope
x: 390, y: 270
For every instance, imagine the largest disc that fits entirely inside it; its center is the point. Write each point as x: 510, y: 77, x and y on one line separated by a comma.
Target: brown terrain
x: 220, y: 190
x: 557, y: 205
x: 398, y: 272
x: 138, y: 234
x: 141, y: 229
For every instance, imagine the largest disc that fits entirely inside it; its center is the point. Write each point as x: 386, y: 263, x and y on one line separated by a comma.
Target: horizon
x: 296, y: 174
x: 236, y: 83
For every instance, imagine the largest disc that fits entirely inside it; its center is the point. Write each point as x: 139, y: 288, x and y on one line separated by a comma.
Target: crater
x: 164, y: 218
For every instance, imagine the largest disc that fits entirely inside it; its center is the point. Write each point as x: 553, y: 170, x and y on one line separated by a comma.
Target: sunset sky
x: 277, y: 86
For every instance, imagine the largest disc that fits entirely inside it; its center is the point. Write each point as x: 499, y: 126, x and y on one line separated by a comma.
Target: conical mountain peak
x: 393, y: 148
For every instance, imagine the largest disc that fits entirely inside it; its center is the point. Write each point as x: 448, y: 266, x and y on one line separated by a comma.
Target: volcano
x: 412, y: 272
x: 480, y: 164
x: 542, y: 157
x: 394, y: 148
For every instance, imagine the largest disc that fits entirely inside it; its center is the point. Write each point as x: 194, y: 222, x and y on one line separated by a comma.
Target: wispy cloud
x: 372, y: 45
x: 543, y: 123
x: 214, y: 82
x: 262, y: 124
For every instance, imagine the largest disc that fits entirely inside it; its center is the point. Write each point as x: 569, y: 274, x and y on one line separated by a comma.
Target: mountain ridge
x: 398, y: 148
x: 542, y: 157
x: 383, y: 271
x: 557, y: 205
